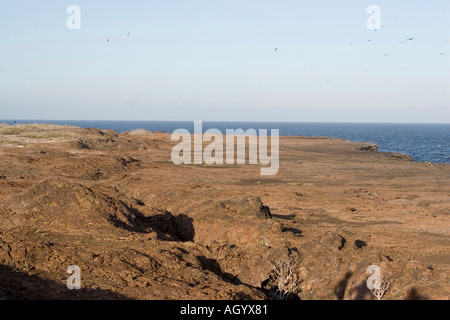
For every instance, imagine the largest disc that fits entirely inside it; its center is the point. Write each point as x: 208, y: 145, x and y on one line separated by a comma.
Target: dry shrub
x: 380, y: 288
x: 285, y: 276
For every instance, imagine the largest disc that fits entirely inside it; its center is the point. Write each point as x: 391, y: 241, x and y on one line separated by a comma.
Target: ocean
x: 424, y: 142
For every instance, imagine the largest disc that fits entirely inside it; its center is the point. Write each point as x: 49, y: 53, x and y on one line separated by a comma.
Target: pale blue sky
x: 215, y: 60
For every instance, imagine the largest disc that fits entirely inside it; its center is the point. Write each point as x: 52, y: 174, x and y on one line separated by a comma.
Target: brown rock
x: 369, y: 147
x: 333, y: 240
x: 253, y: 206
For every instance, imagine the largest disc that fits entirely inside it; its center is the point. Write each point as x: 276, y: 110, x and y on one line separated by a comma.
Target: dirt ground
x: 141, y: 227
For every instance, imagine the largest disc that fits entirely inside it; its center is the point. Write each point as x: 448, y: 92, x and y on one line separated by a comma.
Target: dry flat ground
x: 140, y: 227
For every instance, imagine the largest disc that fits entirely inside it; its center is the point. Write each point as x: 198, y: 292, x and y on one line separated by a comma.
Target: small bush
x: 380, y: 288
x: 285, y: 277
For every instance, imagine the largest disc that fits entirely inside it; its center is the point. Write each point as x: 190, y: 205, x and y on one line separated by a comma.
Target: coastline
x: 116, y: 205
x: 399, y: 138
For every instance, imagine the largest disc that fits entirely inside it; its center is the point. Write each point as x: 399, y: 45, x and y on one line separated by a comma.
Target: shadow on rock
x: 361, y: 292
x: 294, y: 231
x: 16, y: 285
x: 213, y: 266
x: 167, y: 226
x: 413, y: 294
x: 341, y: 287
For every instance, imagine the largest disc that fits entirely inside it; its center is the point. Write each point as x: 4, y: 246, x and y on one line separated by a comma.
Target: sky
x: 215, y: 60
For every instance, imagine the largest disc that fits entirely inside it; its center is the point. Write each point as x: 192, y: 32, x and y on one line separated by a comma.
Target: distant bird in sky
x: 386, y: 54
x: 442, y: 54
x: 410, y: 39
x: 369, y: 40
x: 128, y: 33
x: 106, y: 39
x: 276, y: 49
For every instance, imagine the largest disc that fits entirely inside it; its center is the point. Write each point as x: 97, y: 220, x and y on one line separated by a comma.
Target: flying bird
x: 275, y: 49
x: 128, y: 33
x: 410, y: 39
x: 106, y: 39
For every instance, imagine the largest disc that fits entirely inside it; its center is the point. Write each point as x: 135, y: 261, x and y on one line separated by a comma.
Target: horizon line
x: 224, y: 121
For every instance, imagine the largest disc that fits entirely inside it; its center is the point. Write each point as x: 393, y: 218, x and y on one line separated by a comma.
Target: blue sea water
x: 424, y: 142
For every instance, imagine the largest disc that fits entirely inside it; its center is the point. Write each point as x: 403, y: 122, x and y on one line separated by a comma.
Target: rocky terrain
x: 141, y: 227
